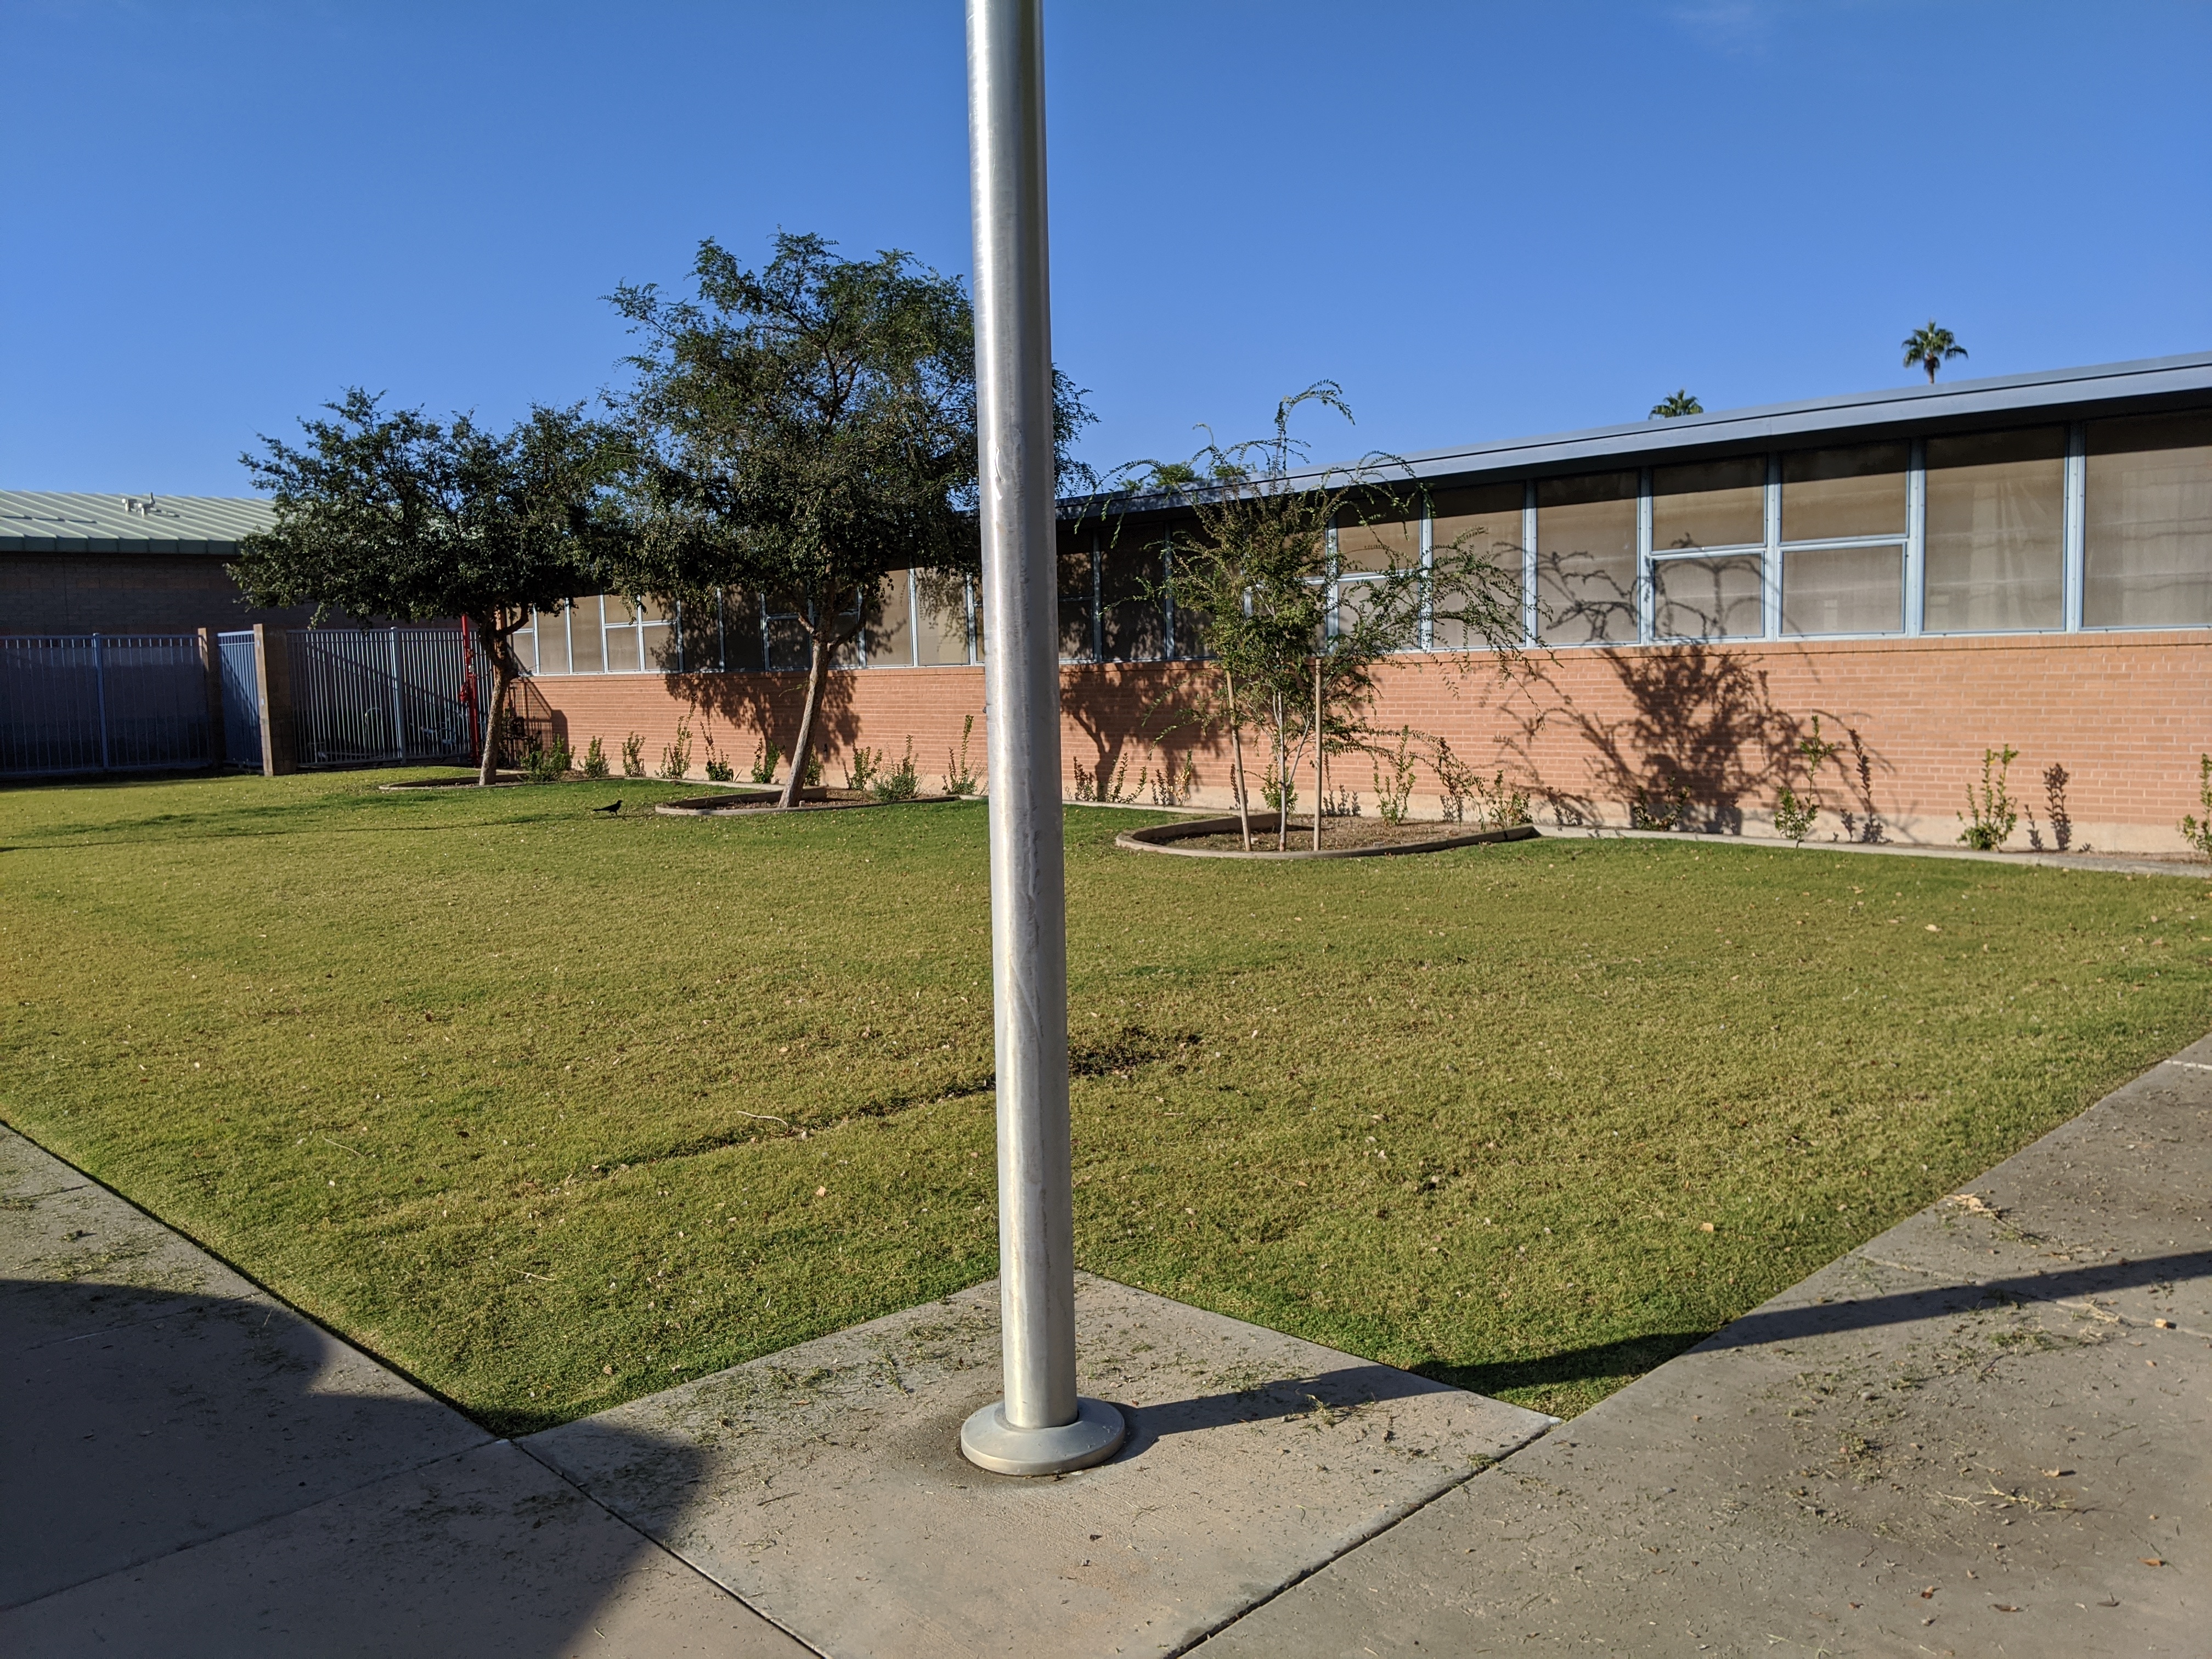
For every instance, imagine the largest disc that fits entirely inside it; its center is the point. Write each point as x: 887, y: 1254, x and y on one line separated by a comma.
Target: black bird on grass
x: 610, y: 808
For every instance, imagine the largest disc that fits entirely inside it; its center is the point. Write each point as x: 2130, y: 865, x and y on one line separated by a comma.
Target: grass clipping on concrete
x: 551, y: 1109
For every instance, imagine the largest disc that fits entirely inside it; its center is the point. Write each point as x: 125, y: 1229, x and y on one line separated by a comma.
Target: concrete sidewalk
x: 1983, y: 1432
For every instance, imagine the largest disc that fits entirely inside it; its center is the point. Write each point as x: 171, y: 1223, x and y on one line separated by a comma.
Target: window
x: 889, y: 631
x: 1486, y: 521
x: 587, y: 649
x: 1368, y: 547
x: 1704, y: 598
x: 1713, y: 504
x: 1836, y: 494
x: 1843, y: 590
x: 1855, y: 497
x: 1995, y: 547
x: 1075, y: 593
x: 660, y: 641
x: 619, y: 629
x: 2147, y: 523
x: 1586, y: 558
x: 1133, y: 619
x: 941, y: 619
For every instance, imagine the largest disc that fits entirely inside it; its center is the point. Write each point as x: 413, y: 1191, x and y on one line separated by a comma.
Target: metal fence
x: 239, y: 662
x: 102, y: 703
x: 361, y: 696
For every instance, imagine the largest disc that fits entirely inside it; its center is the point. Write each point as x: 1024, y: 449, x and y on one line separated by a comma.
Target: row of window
x: 2102, y: 525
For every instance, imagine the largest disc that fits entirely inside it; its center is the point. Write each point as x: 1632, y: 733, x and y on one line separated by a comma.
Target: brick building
x: 126, y: 564
x: 1933, y: 571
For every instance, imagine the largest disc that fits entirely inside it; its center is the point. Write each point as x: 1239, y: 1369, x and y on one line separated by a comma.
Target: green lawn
x: 552, y: 1109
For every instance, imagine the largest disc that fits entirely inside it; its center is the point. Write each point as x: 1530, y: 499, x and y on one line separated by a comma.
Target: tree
x: 806, y: 431
x: 395, y: 515
x: 1675, y: 404
x: 1931, y: 347
x: 1254, y: 569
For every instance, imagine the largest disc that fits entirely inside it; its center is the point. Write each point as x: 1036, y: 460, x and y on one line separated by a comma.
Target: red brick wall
x: 2127, y: 715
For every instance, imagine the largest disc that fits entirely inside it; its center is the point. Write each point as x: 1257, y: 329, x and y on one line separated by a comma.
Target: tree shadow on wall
x: 768, y: 706
x: 1702, y: 739
x: 1117, y: 706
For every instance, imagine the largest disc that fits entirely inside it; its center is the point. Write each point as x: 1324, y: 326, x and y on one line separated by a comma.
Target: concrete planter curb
x: 1161, y: 837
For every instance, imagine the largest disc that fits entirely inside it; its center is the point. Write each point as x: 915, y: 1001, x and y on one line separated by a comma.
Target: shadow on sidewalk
x: 189, y: 1475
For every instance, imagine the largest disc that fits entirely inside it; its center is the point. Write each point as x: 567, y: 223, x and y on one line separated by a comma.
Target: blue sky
x: 1482, y: 220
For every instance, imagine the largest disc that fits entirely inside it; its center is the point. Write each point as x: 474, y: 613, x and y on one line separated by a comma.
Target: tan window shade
x: 891, y: 626
x: 1484, y: 520
x: 1995, y: 547
x: 1075, y: 593
x: 526, y: 649
x: 1844, y: 590
x: 942, y: 605
x: 1707, y: 598
x: 1828, y: 494
x: 1377, y: 545
x: 2147, y: 531
x: 1711, y: 504
x: 552, y: 641
x: 1135, y: 624
x: 1586, y: 558
x: 741, y: 632
x: 621, y: 629
x: 586, y: 652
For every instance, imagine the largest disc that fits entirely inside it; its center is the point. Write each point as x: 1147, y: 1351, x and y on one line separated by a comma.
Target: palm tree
x: 1677, y: 403
x: 1931, y: 347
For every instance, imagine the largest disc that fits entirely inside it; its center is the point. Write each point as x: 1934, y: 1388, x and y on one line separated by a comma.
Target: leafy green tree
x: 396, y: 515
x: 1253, y: 570
x: 804, y: 431
x: 1675, y: 404
x: 1930, y: 348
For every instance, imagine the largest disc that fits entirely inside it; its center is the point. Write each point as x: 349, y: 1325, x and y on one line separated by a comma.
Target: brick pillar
x: 273, y: 669
x: 211, y: 676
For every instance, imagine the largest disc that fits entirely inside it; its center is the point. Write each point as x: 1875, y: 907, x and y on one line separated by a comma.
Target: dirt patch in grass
x: 556, y: 1107
x: 1336, y: 834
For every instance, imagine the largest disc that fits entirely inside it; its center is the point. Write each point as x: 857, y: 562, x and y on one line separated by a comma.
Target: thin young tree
x: 1297, y: 647
x: 804, y: 431
x: 1930, y: 348
x: 397, y: 515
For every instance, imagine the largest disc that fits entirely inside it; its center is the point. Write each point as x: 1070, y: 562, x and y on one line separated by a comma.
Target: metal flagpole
x: 1041, y: 1427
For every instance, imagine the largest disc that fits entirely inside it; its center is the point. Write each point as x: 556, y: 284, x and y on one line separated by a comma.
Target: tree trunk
x: 1318, y: 797
x: 503, y: 677
x: 818, y: 680
x: 1236, y: 784
x: 1282, y: 781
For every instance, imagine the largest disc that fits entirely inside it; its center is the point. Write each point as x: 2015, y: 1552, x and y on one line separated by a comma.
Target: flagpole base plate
x: 989, y: 1442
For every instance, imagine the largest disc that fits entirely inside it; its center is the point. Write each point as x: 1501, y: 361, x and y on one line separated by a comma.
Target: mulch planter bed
x: 1343, y: 838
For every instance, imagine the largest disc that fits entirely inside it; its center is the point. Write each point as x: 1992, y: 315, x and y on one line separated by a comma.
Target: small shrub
x: 2197, y: 831
x: 1341, y: 803
x: 1281, y: 795
x: 1456, y: 781
x: 634, y: 756
x: 959, y: 779
x: 595, y: 759
x: 675, y: 757
x: 813, y: 778
x: 1662, y: 808
x: 1500, y: 806
x: 1091, y: 784
x: 1394, y: 795
x: 720, y: 771
x: 765, y: 755
x: 1173, y: 787
x: 1793, y: 818
x: 544, y: 763
x: 2055, y: 780
x: 1992, y: 813
x: 861, y: 771
x: 901, y: 782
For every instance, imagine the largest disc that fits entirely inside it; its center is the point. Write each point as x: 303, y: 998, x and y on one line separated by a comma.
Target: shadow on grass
x: 1607, y: 1362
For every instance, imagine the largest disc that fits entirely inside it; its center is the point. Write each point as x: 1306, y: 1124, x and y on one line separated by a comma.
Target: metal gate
x: 364, y: 696
x: 239, y: 662
x: 102, y: 703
